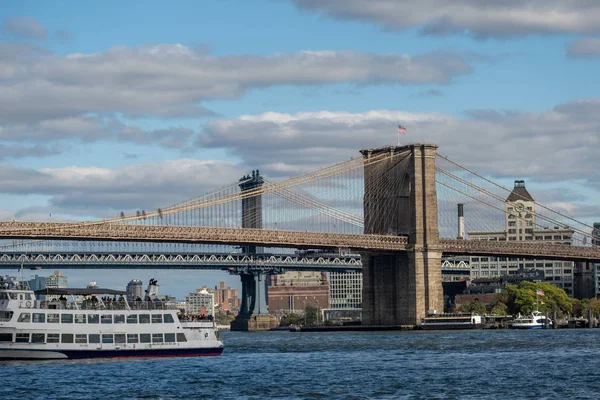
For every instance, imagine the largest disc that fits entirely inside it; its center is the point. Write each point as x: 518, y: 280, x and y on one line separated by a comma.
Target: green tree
x: 291, y: 318
x: 499, y: 309
x: 224, y: 319
x: 474, y: 306
x: 312, y: 315
x: 522, y: 298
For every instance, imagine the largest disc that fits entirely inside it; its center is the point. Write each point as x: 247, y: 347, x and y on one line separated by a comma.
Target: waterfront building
x: 345, y: 290
x: 293, y: 291
x: 135, y: 289
x: 200, y: 303
x: 596, y: 266
x: 520, y: 225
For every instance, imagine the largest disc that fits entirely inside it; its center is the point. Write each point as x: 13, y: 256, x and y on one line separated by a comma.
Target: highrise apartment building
x: 226, y: 298
x: 135, y: 289
x: 520, y: 225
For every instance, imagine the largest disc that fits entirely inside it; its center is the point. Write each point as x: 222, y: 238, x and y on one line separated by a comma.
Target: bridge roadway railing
x: 193, y: 234
x: 280, y: 238
x: 528, y: 249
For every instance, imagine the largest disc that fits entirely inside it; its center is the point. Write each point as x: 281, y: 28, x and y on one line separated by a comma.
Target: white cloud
x: 101, y: 192
x: 26, y: 27
x: 552, y: 145
x: 171, y: 80
x: 587, y: 47
x: 502, y: 19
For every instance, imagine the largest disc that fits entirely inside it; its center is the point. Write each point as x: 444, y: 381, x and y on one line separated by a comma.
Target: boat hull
x: 529, y: 326
x: 24, y: 354
x: 440, y: 327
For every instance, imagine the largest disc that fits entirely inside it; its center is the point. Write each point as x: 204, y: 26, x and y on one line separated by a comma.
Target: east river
x: 502, y: 364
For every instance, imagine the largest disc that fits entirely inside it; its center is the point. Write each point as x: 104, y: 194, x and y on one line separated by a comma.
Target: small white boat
x: 534, y: 321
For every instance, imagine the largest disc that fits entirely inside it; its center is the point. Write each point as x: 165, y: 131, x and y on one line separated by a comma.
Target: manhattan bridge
x: 390, y: 213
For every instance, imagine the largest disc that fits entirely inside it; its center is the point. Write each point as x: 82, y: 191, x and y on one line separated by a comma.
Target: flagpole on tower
x: 401, y: 130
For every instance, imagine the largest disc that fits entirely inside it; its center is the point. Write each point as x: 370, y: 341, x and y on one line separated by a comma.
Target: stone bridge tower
x: 399, y: 288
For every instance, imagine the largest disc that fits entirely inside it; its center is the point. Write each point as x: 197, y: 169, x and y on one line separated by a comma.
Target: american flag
x: 539, y: 292
x: 401, y: 129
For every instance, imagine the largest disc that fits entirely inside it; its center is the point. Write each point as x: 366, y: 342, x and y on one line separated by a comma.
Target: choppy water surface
x: 553, y: 364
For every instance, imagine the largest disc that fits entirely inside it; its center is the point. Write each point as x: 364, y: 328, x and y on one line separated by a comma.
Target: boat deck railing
x: 97, y: 305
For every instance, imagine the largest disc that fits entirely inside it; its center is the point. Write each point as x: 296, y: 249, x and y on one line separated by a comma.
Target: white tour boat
x: 534, y: 321
x: 452, y: 321
x: 85, y: 323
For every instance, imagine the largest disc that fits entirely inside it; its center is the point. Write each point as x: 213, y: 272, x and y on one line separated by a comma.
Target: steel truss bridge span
x: 215, y: 261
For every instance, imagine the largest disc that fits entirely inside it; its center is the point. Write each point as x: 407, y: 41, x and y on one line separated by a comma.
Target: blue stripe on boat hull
x: 78, y: 354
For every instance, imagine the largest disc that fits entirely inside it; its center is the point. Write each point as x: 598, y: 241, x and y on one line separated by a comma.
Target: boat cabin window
x: 6, y: 337
x: 38, y: 337
x: 106, y: 319
x: 53, y: 318
x: 24, y: 317
x: 107, y: 338
x: 53, y: 338
x: 80, y: 318
x: 94, y: 338
x: 66, y: 338
x: 13, y: 296
x: 157, y: 318
x: 157, y: 338
x: 132, y: 319
x: 66, y: 318
x: 6, y: 316
x: 168, y: 319
x: 169, y: 337
x: 144, y: 318
x: 144, y: 338
x: 181, y: 337
x: 81, y: 338
x: 39, y: 318
x: 119, y: 319
x: 22, y: 338
x: 132, y: 338
x: 3, y: 296
x: 119, y: 338
x: 93, y: 318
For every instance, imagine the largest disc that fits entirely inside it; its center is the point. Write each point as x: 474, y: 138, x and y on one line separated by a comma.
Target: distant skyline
x: 119, y: 106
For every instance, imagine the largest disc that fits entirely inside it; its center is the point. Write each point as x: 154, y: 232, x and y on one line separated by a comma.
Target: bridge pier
x: 400, y: 199
x: 254, y: 312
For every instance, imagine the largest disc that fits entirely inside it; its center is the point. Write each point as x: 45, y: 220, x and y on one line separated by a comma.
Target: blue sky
x: 144, y: 99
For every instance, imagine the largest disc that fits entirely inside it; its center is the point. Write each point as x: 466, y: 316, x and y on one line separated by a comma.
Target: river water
x: 498, y: 364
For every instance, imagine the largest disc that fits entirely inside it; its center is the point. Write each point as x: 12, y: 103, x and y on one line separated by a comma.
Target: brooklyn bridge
x: 395, y: 206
